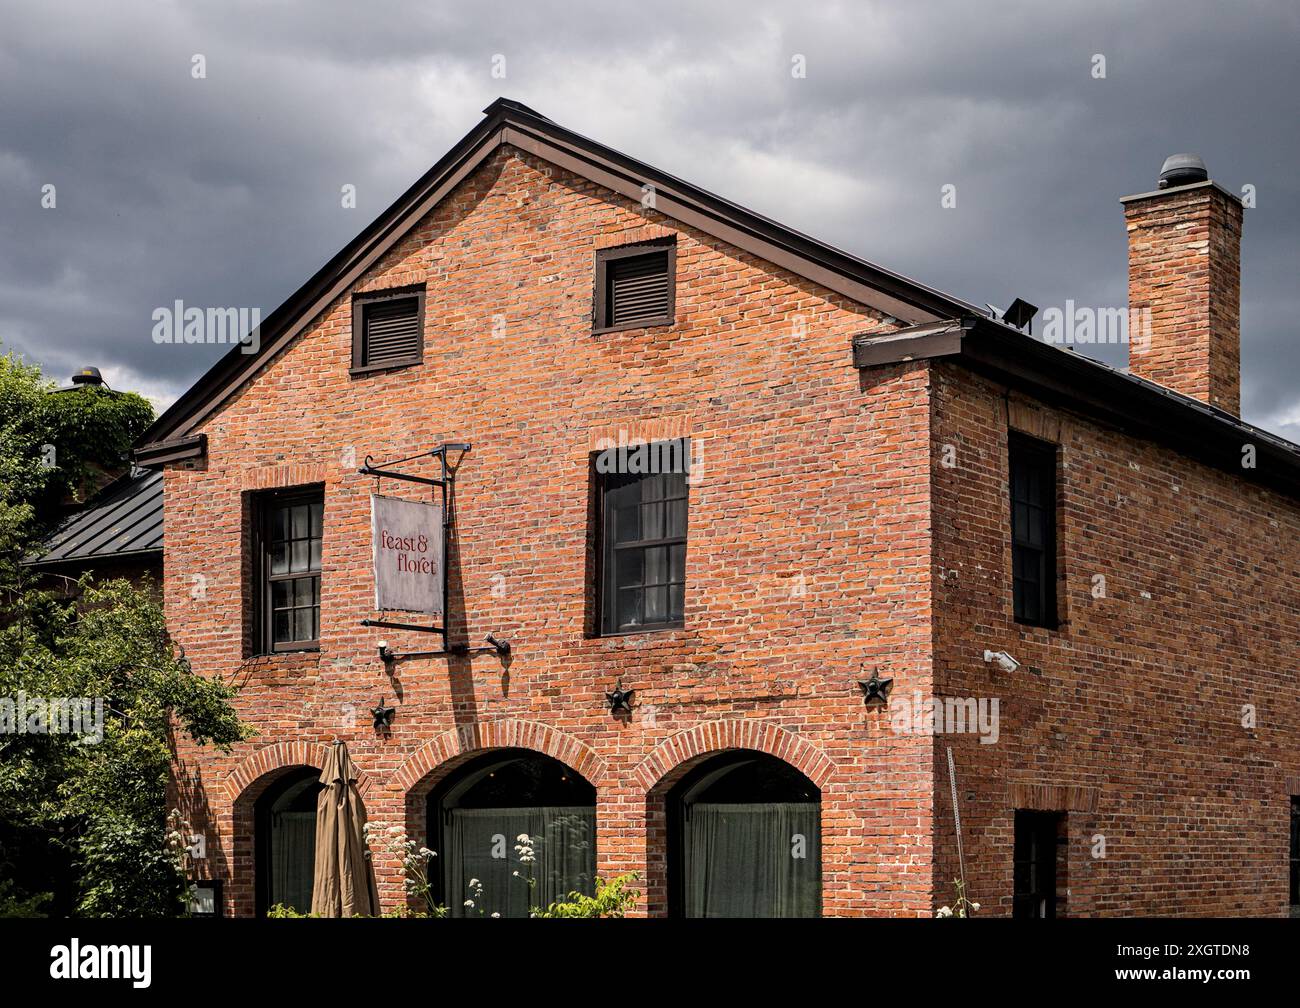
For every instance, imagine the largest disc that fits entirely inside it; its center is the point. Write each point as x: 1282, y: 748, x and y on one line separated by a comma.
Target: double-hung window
x: 643, y: 536
x: 1032, y: 468
x: 290, y: 527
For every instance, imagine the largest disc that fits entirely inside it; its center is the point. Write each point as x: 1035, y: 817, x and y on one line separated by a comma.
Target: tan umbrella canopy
x: 344, y: 885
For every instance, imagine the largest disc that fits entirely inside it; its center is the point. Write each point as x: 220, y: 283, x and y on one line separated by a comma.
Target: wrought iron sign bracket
x: 445, y: 486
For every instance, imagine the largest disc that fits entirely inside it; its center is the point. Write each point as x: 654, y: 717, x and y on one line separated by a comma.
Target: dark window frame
x: 1030, y: 456
x: 437, y: 810
x: 360, y: 304
x: 265, y: 506
x: 700, y: 777
x: 263, y: 813
x: 607, y: 549
x: 1036, y: 876
x: 1295, y: 857
x: 601, y: 301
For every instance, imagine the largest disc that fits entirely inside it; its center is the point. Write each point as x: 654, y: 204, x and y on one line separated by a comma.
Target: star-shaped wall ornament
x: 383, y: 716
x: 875, y: 690
x: 619, y: 699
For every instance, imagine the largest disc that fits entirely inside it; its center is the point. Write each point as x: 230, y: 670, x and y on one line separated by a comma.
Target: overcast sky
x: 224, y: 190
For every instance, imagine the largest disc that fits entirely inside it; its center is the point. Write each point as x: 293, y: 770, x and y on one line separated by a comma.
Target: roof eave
x: 152, y: 454
x: 1072, y: 381
x: 40, y: 563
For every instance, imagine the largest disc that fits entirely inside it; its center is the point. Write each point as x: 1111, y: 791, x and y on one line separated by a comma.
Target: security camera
x: 1003, y: 660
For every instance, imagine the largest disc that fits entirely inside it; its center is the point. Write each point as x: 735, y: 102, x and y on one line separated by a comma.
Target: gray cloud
x: 225, y: 191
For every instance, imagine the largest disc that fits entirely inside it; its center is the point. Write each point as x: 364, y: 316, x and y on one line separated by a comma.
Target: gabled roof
x: 934, y: 324
x: 509, y: 122
x: 124, y: 519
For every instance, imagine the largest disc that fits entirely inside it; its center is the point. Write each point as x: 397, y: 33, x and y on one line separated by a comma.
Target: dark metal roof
x: 1063, y: 378
x: 124, y: 519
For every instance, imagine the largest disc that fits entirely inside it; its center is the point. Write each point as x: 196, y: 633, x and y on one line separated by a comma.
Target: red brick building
x: 1092, y: 572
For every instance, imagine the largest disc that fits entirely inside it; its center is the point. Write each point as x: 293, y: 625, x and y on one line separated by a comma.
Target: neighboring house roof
x: 124, y: 519
x: 936, y: 324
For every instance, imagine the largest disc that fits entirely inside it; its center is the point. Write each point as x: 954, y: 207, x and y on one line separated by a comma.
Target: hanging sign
x: 406, y: 538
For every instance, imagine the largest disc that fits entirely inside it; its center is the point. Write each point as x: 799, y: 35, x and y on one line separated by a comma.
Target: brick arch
x: 505, y: 733
x: 670, y: 757
x: 280, y: 756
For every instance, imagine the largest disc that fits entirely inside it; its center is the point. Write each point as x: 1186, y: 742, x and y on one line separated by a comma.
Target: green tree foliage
x: 90, y: 430
x: 83, y: 821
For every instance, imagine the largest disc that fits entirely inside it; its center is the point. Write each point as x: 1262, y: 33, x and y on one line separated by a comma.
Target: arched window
x: 477, y: 816
x: 744, y: 839
x: 284, y: 819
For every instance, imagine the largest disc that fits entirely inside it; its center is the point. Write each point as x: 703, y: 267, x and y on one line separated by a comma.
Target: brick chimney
x: 1184, y: 265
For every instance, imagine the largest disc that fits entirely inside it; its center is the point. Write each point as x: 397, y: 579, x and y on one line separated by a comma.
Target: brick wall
x: 808, y: 561
x: 1130, y: 716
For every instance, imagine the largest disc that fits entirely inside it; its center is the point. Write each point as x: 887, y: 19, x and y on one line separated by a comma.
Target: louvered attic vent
x: 387, y: 330
x: 634, y: 287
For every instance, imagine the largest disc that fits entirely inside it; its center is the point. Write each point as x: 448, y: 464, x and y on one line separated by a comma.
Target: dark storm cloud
x: 225, y: 191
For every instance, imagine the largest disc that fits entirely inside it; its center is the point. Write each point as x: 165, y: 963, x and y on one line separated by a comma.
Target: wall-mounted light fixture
x: 1003, y: 660
x: 619, y: 699
x: 875, y: 690
x: 383, y: 715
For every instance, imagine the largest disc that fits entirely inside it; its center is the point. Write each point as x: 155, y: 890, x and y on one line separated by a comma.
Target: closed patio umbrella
x: 344, y: 884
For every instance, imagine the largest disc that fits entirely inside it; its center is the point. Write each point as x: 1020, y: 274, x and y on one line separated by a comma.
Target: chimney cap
x: 1181, y: 170
x: 88, y: 376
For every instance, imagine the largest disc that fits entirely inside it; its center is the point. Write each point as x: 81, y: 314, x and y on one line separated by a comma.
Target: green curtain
x: 293, y: 859
x: 564, y: 843
x: 743, y: 860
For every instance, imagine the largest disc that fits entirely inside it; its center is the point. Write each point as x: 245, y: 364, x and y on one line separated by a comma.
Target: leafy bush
x: 612, y: 899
